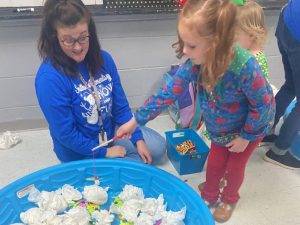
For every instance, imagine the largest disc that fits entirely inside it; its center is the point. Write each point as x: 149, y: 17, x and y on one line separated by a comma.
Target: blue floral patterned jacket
x: 241, y: 104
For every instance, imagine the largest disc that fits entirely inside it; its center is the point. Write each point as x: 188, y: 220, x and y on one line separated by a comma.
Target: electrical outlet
x: 99, y: 2
x: 89, y: 2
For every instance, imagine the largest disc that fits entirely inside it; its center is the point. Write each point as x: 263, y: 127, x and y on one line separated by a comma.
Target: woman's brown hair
x: 67, y: 13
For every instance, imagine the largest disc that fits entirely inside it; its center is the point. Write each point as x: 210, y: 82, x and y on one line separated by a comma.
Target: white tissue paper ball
x: 131, y: 192
x: 70, y: 194
x: 67, y: 220
x: 80, y: 215
x: 154, y: 207
x: 173, y: 218
x: 52, y: 200
x: 103, y: 217
x: 58, y: 220
x: 32, y: 216
x: 48, y: 215
x: 144, y: 219
x: 130, y: 209
x: 95, y: 194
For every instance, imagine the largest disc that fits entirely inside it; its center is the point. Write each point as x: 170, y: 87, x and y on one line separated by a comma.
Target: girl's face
x: 243, y: 39
x: 195, y: 47
x: 74, y: 40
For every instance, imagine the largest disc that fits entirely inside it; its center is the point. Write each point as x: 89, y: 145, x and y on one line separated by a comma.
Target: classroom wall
x: 140, y: 45
x: 18, y: 3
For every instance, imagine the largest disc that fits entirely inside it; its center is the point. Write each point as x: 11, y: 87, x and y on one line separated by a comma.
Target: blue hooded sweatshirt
x: 71, y: 111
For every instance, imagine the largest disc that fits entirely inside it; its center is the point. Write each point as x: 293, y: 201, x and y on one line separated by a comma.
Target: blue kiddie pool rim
x: 29, y: 179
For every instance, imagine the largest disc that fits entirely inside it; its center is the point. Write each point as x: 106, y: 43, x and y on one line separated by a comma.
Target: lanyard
x: 95, y: 95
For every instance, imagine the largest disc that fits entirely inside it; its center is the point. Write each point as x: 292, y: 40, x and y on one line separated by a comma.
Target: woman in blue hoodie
x: 79, y: 90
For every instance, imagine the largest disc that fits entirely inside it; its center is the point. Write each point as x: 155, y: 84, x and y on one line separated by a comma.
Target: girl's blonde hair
x: 251, y: 20
x: 214, y: 19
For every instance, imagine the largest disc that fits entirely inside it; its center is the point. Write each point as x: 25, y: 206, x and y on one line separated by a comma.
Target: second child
x: 251, y: 32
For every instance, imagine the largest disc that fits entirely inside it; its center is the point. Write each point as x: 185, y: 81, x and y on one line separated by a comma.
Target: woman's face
x: 195, y: 47
x: 74, y: 40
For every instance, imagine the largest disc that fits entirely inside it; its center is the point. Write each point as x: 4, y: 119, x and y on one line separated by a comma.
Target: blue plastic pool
x: 113, y: 173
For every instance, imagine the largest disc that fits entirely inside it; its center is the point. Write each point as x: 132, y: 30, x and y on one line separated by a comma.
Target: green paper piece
x: 238, y: 2
x: 124, y: 222
x: 117, y: 202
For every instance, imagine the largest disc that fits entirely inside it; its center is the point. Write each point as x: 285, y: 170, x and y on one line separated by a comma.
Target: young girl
x: 251, y: 32
x: 236, y: 101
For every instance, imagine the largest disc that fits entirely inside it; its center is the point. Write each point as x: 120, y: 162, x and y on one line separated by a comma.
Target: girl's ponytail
x: 221, y: 53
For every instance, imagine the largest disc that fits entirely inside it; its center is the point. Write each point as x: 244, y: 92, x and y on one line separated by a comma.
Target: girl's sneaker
x: 223, y: 212
x: 287, y: 160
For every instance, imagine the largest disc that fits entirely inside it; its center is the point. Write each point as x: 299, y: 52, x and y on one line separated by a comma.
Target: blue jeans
x: 289, y: 48
x: 154, y: 141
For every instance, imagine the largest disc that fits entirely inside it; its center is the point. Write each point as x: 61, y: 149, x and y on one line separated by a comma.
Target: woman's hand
x: 127, y: 128
x: 237, y: 145
x: 144, y: 151
x: 115, y: 152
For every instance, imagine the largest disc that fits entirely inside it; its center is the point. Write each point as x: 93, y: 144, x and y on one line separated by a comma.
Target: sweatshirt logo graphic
x: 88, y: 104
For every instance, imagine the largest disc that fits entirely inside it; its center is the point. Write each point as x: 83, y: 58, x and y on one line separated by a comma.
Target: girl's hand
x: 144, y: 151
x: 237, y: 145
x: 127, y: 128
x: 115, y: 152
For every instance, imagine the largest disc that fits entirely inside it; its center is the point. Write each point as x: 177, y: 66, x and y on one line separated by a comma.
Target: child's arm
x: 165, y: 96
x: 261, y: 101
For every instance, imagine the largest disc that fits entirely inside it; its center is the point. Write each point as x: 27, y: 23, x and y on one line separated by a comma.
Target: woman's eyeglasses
x: 70, y: 42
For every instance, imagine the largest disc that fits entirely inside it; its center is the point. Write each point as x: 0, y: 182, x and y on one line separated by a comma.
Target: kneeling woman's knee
x: 157, y: 148
x: 155, y: 143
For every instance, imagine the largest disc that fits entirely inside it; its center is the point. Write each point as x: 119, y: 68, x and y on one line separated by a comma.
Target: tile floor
x: 269, y: 196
